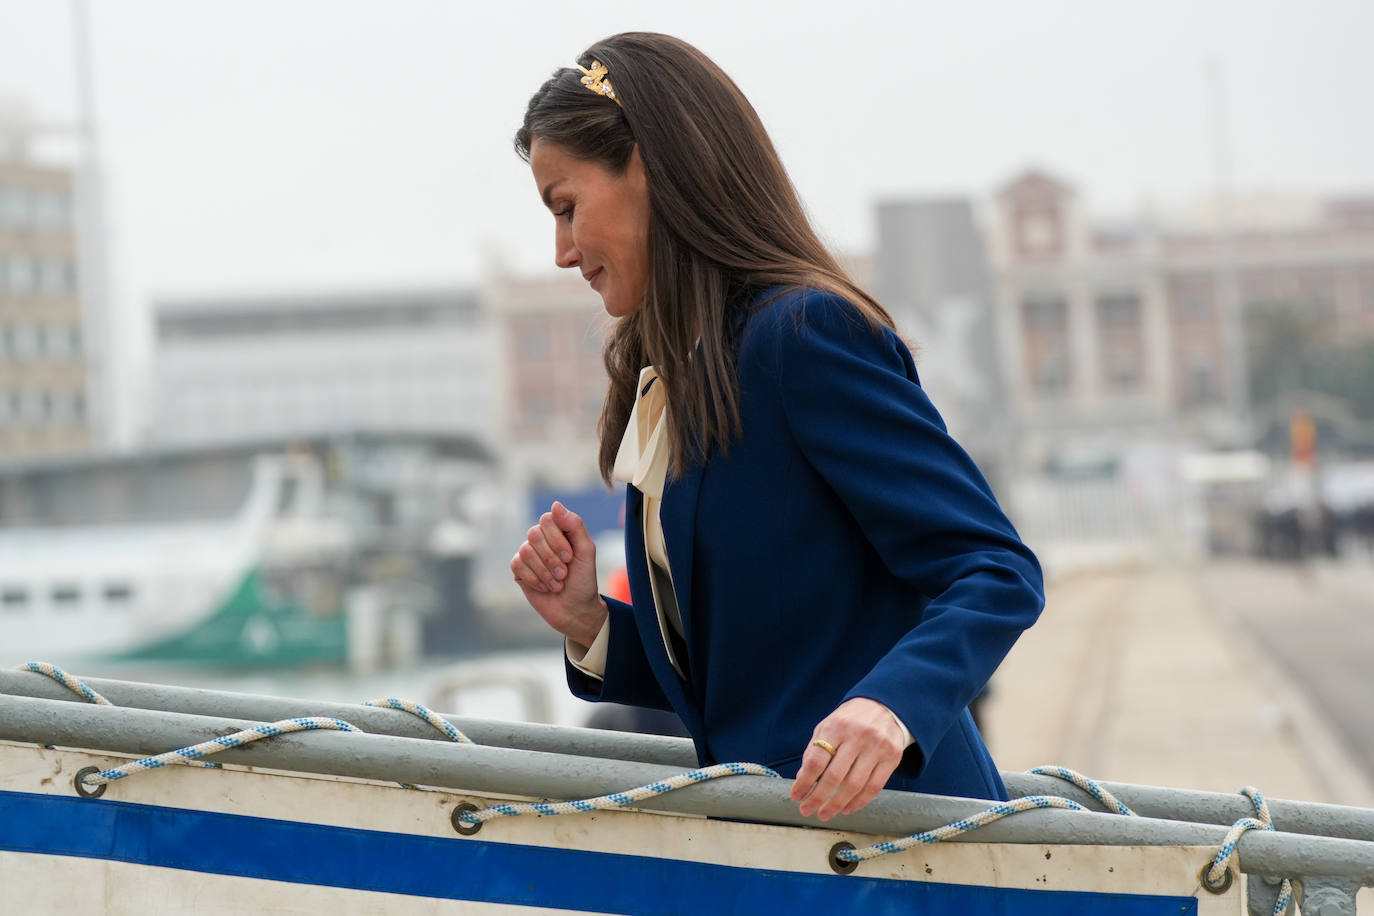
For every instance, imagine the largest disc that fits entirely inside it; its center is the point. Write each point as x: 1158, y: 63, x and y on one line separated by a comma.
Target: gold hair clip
x: 596, y: 81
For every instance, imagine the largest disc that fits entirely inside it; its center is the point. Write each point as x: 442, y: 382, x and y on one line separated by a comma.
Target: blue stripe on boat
x: 466, y: 869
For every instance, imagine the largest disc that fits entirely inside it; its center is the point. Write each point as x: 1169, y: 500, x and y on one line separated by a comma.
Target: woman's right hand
x: 556, y: 569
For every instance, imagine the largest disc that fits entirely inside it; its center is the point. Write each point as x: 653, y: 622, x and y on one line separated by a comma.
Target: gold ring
x: 825, y: 746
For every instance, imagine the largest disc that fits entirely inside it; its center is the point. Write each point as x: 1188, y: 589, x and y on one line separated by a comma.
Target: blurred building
x: 44, y: 372
x: 230, y: 369
x: 550, y: 331
x: 933, y: 276
x: 1130, y: 332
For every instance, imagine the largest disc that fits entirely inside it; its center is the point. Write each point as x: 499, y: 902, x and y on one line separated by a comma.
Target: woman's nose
x: 565, y: 253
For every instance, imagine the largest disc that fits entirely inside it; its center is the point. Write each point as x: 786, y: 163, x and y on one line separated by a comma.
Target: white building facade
x: 268, y: 367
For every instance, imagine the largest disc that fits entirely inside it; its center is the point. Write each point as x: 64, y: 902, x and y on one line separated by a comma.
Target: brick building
x: 43, y: 368
x: 1133, y: 331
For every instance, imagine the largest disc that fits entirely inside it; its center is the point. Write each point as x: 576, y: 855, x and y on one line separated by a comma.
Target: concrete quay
x: 1147, y: 674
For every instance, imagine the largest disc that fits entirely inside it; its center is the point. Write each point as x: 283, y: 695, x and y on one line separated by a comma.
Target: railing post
x: 1329, y: 897
x: 1261, y: 892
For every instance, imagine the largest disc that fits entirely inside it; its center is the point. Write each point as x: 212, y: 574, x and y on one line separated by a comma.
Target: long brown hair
x: 725, y: 223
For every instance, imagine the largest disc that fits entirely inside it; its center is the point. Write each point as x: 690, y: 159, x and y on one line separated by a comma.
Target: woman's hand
x: 868, y: 746
x: 556, y: 569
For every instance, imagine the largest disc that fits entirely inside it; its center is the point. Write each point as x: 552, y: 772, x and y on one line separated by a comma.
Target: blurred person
x: 821, y: 578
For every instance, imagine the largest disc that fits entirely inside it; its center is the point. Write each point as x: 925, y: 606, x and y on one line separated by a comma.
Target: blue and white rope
x: 81, y: 688
x: 1261, y: 821
x: 1087, y: 785
x: 423, y: 712
x: 617, y: 800
x: 1217, y: 869
x: 192, y: 755
x: 189, y: 756
x: 961, y: 826
x: 990, y: 815
x: 74, y: 684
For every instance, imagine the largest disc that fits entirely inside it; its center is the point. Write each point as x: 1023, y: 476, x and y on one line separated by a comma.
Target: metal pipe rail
x: 586, y: 742
x: 1301, y: 817
x: 1308, y: 818
x: 540, y: 774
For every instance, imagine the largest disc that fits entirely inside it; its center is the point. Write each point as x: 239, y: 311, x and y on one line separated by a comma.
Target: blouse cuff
x: 907, y: 739
x: 592, y: 660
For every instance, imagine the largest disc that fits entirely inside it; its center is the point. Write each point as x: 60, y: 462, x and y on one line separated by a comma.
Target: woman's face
x: 602, y: 222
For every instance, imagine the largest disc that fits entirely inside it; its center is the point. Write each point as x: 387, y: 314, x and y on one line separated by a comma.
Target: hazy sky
x: 256, y: 145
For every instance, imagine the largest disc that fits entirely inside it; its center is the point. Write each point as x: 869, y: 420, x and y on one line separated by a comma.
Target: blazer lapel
x: 646, y: 616
x: 679, y: 518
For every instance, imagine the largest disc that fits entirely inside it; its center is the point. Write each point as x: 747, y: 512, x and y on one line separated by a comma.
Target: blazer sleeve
x: 629, y: 679
x: 855, y: 407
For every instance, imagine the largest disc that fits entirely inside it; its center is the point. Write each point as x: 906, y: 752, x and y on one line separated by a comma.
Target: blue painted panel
x: 600, y: 510
x: 469, y: 869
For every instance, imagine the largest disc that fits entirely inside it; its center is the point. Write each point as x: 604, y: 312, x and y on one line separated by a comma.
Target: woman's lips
x: 594, y: 276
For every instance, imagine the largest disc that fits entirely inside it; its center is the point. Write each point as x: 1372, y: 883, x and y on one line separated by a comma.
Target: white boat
x: 320, y: 823
x: 247, y: 555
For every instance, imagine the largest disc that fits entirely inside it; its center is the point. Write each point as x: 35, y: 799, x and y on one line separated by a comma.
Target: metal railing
x: 1328, y: 848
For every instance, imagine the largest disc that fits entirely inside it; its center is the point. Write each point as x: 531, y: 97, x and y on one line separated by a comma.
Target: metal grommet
x: 1221, y: 886
x: 841, y: 866
x: 78, y: 782
x: 462, y: 826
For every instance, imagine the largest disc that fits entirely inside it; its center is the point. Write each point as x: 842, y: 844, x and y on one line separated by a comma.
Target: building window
x: 1123, y: 372
x: 591, y: 405
x: 1046, y: 346
x: 1118, y: 311
x: 66, y: 597
x: 14, y: 208
x: 534, y: 343
x: 593, y: 342
x: 538, y: 409
x: 118, y: 594
x: 1200, y: 385
x: 52, y: 211
x: 23, y: 280
x: 1120, y: 341
x: 25, y: 341
x: 52, y: 341
x: 53, y: 277
x: 1195, y: 305
x: 1050, y: 314
x: 14, y: 598
x: 1050, y: 377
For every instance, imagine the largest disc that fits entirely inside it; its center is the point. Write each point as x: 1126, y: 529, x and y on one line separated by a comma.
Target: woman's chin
x: 615, y: 308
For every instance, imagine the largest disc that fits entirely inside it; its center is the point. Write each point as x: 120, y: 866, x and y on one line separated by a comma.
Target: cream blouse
x: 642, y: 462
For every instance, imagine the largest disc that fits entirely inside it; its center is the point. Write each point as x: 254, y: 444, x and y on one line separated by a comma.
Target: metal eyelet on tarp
x: 79, y: 782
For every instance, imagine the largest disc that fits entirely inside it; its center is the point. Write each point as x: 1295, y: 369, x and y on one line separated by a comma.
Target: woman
x: 821, y: 578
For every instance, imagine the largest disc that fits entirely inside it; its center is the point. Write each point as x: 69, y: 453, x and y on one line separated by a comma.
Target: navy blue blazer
x: 845, y: 547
